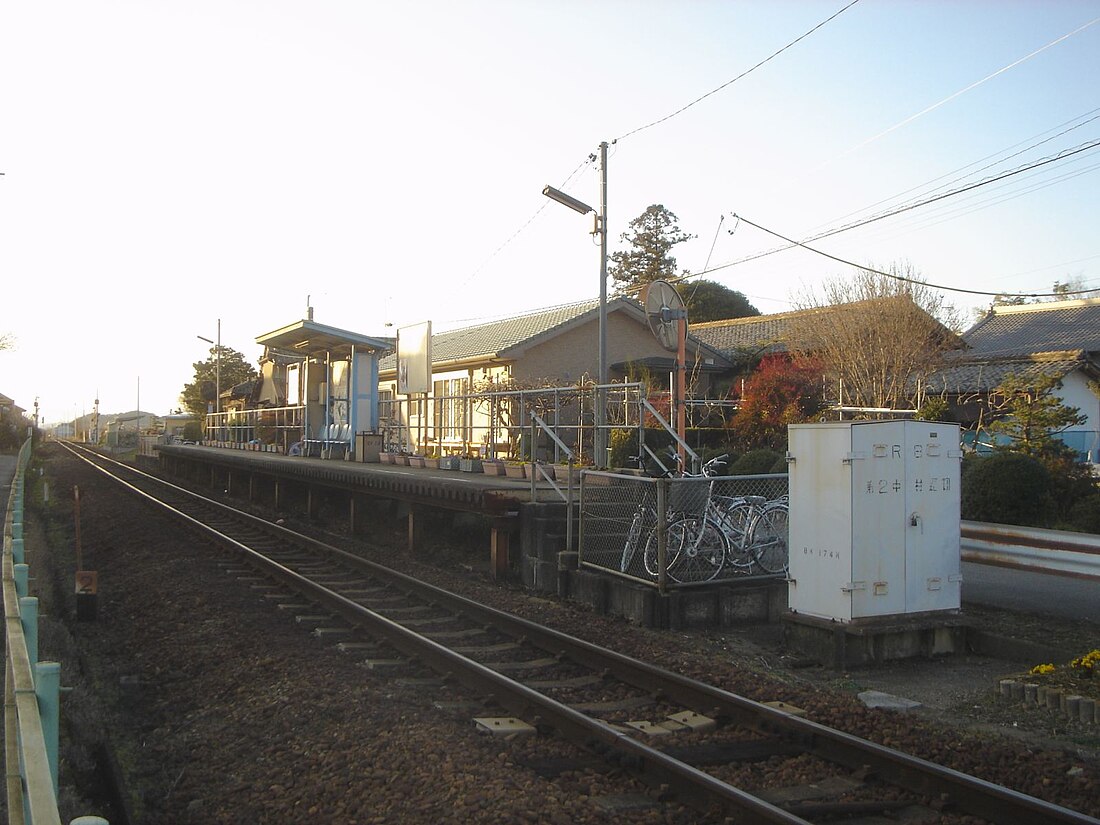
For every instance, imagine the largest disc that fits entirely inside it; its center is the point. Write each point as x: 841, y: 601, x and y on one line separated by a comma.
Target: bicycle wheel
x: 696, y: 550
x: 677, y: 537
x: 632, y: 538
x: 769, y: 544
x: 733, y: 517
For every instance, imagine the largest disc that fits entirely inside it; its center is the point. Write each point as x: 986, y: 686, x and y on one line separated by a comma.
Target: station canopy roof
x: 308, y: 338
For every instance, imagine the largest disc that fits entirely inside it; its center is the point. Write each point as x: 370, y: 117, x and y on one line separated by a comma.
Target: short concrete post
x: 1017, y: 691
x: 1054, y: 699
x: 1005, y: 687
x: 1031, y: 691
x: 1086, y: 710
x: 89, y: 820
x: 17, y: 530
x: 47, y: 689
x: 28, y: 617
x: 18, y: 554
x: 21, y: 574
x: 1073, y: 707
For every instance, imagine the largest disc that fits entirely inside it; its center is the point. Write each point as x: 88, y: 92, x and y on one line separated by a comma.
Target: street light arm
x: 567, y: 200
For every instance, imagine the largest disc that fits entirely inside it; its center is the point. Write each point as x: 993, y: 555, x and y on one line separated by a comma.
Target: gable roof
x: 1012, y: 331
x: 737, y: 338
x: 981, y: 375
x: 745, y: 338
x: 510, y: 337
x: 1028, y: 341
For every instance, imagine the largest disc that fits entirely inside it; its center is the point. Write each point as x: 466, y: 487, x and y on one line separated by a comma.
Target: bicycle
x: 695, y: 546
x: 754, y: 528
x: 645, y: 516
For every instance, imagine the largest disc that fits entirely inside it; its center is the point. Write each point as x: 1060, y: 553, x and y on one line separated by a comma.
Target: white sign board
x: 414, y: 358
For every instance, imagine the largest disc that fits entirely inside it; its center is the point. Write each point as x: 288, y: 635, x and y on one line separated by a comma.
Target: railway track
x: 689, y: 740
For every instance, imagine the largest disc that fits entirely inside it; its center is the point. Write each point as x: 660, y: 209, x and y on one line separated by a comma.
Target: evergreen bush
x: 1007, y: 488
x: 755, y: 462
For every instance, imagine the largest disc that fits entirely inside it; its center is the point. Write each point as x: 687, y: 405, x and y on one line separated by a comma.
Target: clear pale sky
x: 170, y: 164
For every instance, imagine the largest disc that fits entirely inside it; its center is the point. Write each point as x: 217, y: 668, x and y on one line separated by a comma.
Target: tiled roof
x: 1031, y: 328
x: 739, y: 337
x: 496, y: 339
x: 1027, y: 341
x: 983, y: 375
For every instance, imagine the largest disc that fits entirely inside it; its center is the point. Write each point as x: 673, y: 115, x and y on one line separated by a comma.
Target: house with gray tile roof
x: 1059, y: 338
x: 552, y: 347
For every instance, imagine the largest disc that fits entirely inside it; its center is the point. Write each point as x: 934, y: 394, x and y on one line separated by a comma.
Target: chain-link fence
x: 684, y: 531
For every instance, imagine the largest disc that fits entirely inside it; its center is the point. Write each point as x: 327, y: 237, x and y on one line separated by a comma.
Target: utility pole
x: 600, y: 440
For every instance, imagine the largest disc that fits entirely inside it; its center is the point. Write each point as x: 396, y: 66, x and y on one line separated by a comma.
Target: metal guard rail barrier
x: 31, y: 769
x: 1030, y: 548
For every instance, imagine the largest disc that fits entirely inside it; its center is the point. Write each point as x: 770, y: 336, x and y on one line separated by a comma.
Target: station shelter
x: 332, y: 375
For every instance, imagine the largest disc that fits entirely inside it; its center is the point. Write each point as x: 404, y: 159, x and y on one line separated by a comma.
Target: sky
x: 171, y: 165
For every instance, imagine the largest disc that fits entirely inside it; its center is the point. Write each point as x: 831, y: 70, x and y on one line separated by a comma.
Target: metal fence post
x: 47, y: 689
x: 28, y: 617
x: 662, y: 534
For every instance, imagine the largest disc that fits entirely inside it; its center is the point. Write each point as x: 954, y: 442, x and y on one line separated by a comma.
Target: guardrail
x: 32, y: 689
x: 31, y: 772
x: 1030, y: 548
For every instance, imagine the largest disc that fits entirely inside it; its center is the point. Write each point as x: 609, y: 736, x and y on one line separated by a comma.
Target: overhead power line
x: 973, y: 85
x: 912, y: 280
x: 1084, y: 147
x: 748, y: 71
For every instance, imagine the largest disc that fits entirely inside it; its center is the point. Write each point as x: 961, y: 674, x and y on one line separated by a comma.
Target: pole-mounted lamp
x: 599, y: 439
x: 217, y: 366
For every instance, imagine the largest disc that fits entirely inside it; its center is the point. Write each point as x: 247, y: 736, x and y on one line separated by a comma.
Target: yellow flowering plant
x: 1085, y: 665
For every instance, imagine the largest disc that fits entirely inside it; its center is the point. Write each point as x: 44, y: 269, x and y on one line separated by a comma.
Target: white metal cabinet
x: 874, y: 518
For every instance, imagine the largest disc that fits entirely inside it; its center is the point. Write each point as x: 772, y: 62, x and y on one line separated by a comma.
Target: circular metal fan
x: 663, y: 308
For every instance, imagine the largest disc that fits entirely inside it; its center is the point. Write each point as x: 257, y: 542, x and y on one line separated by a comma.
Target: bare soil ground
x: 214, y: 709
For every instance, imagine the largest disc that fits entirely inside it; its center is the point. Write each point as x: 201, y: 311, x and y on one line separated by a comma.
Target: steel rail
x: 970, y: 794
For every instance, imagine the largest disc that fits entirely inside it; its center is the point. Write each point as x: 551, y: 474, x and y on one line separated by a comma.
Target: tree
x: 711, y: 301
x: 781, y: 391
x: 876, y: 335
x: 202, y: 391
x: 1031, y: 416
x: 652, y: 236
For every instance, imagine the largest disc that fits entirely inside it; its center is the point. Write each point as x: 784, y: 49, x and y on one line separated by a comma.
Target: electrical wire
x: 912, y: 205
x: 748, y: 71
x: 1027, y: 148
x: 588, y: 159
x: 903, y: 279
x: 973, y: 85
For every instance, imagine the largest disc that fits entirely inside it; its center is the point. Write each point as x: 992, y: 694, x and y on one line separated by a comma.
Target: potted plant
x: 541, y: 471
x: 469, y: 465
x: 515, y: 469
x: 416, y: 461
x: 492, y: 466
x: 431, y: 462
x: 385, y: 457
x: 449, y: 462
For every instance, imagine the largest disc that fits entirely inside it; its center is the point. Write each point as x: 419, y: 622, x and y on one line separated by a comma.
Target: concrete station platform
x: 301, y: 483
x: 543, y: 560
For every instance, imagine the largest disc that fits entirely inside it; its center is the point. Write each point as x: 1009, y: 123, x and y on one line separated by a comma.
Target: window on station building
x: 450, y: 409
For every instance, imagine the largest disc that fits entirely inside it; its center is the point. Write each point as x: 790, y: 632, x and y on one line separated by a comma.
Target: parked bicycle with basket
x: 707, y: 533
